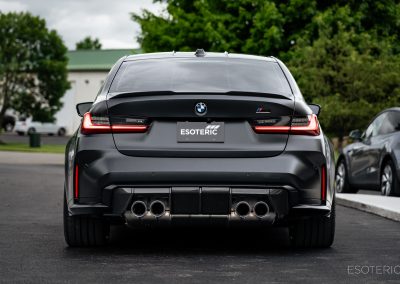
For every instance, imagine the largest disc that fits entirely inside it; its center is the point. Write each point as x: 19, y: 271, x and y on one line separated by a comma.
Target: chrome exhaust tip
x: 157, y: 208
x: 139, y: 208
x: 261, y: 209
x: 242, y: 209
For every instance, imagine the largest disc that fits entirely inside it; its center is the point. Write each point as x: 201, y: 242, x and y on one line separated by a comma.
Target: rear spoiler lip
x: 169, y: 93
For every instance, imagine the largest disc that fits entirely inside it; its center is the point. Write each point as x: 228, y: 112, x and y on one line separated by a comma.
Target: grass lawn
x: 21, y: 147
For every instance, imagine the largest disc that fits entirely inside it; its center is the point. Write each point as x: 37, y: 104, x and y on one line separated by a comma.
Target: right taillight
x: 101, y: 124
x: 304, y: 125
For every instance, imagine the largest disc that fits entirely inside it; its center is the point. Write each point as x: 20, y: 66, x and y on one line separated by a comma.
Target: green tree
x: 263, y: 27
x: 353, y: 75
x: 88, y: 44
x: 33, y: 67
x: 212, y: 25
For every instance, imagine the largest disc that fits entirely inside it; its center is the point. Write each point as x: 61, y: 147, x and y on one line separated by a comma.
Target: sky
x: 109, y: 21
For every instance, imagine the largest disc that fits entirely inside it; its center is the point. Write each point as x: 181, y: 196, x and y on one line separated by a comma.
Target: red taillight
x: 88, y: 126
x: 102, y: 125
x: 301, y: 126
x: 129, y: 128
x: 76, y: 189
x: 323, y: 183
x: 311, y: 129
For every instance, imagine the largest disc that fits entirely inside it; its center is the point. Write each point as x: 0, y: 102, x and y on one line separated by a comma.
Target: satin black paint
x: 115, y: 167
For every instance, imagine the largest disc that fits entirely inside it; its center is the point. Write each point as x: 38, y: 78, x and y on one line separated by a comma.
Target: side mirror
x: 355, y: 135
x: 316, y: 109
x: 83, y: 108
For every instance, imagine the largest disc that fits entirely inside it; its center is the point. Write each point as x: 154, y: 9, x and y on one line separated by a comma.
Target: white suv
x: 27, y: 126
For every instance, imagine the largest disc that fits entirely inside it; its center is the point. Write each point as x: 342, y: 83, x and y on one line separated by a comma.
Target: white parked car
x: 27, y: 126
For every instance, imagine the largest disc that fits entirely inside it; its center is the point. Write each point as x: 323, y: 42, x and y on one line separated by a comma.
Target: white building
x: 87, y: 70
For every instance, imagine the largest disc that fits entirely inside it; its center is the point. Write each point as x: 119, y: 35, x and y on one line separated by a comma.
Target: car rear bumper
x: 195, y: 205
x: 109, y: 183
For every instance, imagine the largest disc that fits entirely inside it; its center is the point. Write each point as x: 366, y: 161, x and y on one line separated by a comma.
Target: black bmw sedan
x: 373, y: 161
x: 199, y: 139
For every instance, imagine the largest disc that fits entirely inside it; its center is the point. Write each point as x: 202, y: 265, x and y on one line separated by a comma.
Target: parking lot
x: 11, y: 137
x: 32, y: 247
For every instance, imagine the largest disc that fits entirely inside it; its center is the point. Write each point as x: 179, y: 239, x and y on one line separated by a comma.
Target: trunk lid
x: 234, y: 114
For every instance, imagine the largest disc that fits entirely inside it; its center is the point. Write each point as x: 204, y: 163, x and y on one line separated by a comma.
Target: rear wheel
x: 8, y: 127
x: 61, y: 132
x: 82, y: 231
x: 342, y: 184
x: 314, y: 232
x: 389, y: 183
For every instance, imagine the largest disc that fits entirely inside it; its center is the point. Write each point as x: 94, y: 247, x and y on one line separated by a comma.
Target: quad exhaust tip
x: 157, y: 208
x: 261, y: 209
x: 139, y: 209
x: 242, y: 209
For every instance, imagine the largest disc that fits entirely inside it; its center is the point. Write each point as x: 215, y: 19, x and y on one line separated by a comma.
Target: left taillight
x: 101, y: 124
x: 303, y: 125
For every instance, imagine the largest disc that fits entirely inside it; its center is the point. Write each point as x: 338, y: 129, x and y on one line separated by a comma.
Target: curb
x: 389, y: 214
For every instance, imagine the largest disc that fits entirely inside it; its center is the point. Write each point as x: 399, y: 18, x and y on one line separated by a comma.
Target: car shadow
x: 196, y: 241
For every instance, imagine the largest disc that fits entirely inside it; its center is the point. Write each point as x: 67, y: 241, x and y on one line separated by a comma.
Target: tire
x: 342, y: 184
x: 8, y: 127
x: 31, y: 130
x: 61, y: 132
x: 389, y: 184
x: 84, y: 231
x: 314, y: 232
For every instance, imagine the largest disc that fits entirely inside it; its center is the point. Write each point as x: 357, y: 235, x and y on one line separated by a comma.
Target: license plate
x: 200, y: 132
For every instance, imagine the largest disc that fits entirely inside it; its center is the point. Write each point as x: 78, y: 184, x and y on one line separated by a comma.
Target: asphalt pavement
x: 32, y: 247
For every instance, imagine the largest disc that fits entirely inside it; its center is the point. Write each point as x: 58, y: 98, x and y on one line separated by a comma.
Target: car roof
x: 173, y: 54
x: 386, y: 110
x: 392, y: 109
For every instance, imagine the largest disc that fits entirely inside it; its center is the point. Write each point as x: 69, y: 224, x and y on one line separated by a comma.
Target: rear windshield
x: 208, y: 75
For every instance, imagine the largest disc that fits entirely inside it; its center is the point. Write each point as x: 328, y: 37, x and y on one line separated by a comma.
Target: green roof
x: 96, y: 60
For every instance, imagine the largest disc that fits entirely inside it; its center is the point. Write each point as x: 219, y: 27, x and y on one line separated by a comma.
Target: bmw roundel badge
x: 200, y: 108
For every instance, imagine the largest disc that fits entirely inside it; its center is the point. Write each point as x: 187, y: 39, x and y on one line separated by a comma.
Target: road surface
x: 32, y: 247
